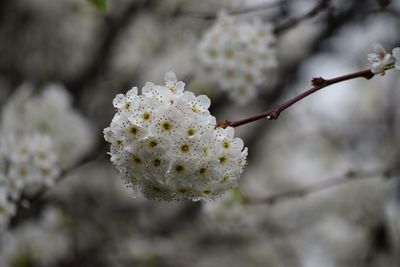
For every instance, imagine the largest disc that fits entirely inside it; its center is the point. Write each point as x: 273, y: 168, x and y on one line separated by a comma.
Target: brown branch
x: 383, y: 3
x: 345, y: 178
x: 318, y: 84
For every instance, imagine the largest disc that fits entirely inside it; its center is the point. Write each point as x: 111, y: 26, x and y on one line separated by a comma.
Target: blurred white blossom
x: 165, y: 143
x: 396, y: 55
x: 39, y: 243
x: 31, y: 163
x: 50, y: 113
x: 39, y: 135
x: 228, y: 212
x: 235, y: 55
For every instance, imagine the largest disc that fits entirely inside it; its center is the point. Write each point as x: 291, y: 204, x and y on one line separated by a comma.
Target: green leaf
x: 237, y: 195
x: 101, y: 5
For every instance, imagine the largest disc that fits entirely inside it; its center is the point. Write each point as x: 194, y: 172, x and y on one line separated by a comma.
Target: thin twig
x: 213, y: 15
x: 292, y: 22
x: 345, y: 178
x: 64, y: 173
x: 26, y: 202
x: 318, y: 84
x: 288, y: 24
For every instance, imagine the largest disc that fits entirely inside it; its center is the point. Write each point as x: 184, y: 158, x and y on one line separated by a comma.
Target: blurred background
x: 336, y: 152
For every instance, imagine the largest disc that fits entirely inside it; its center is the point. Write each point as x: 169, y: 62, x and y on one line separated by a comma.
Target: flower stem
x: 318, y: 84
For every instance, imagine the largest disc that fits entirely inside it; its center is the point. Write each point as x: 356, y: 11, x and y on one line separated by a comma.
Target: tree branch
x: 318, y: 84
x: 288, y: 24
x: 213, y: 15
x: 26, y: 201
x: 349, y: 176
x: 292, y: 22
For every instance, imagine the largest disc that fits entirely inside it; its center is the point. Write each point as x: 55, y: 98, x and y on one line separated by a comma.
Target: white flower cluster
x: 37, y: 243
x: 7, y: 208
x: 50, y: 113
x: 380, y: 59
x: 165, y: 143
x: 236, y: 55
x: 31, y: 163
x: 39, y: 135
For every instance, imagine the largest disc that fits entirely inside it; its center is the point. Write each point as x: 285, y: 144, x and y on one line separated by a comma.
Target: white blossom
x: 396, y: 55
x: 49, y: 113
x: 39, y: 135
x: 42, y: 243
x: 32, y: 164
x: 379, y: 59
x: 236, y: 55
x: 167, y: 145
